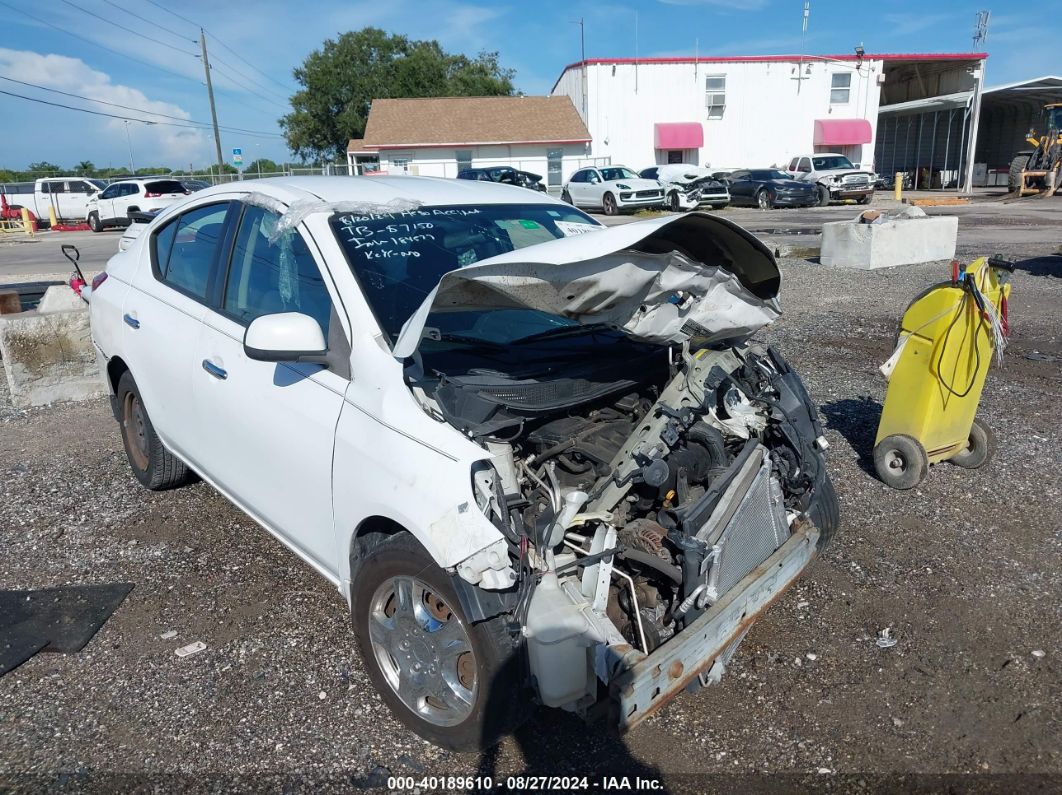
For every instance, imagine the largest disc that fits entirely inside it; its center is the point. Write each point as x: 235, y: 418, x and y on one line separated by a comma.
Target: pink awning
x: 679, y: 135
x: 841, y: 132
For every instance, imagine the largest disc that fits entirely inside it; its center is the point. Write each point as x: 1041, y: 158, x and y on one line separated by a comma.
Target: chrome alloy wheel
x: 423, y: 650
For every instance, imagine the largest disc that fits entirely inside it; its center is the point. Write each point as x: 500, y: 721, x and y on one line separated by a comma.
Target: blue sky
x: 261, y: 42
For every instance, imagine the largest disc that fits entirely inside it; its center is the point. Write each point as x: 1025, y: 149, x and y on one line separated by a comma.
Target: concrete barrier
x: 906, y: 239
x: 60, y: 298
x: 49, y: 357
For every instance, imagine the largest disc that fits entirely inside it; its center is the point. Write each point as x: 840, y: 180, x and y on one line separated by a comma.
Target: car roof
x: 382, y: 189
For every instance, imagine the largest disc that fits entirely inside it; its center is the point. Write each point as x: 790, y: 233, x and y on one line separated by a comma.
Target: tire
x: 718, y: 207
x: 153, y: 465
x: 825, y: 512
x: 900, y: 461
x: 979, y: 450
x: 864, y: 199
x: 566, y: 197
x: 1017, y: 165
x: 608, y: 204
x: 673, y: 202
x: 824, y: 196
x: 764, y: 199
x: 496, y: 702
x: 94, y: 222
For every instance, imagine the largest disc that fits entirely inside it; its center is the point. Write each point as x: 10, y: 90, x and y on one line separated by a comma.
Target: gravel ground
x: 965, y: 570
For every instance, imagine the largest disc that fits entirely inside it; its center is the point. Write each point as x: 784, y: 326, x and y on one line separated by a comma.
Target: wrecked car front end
x: 657, y: 476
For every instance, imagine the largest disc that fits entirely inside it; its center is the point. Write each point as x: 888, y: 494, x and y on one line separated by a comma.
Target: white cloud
x: 153, y: 144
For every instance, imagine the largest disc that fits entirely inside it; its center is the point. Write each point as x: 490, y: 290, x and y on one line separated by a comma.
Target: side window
x: 578, y: 176
x: 110, y: 192
x: 130, y: 189
x: 805, y: 165
x: 715, y: 95
x: 840, y: 88
x: 267, y: 277
x: 185, y: 248
x: 793, y: 164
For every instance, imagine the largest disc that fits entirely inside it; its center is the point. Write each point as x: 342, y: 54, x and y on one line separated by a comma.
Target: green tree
x: 340, y: 81
x: 43, y: 167
x: 85, y: 168
x: 263, y: 165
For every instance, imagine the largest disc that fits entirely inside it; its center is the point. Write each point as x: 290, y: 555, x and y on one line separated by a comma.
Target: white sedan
x: 541, y: 459
x: 611, y: 189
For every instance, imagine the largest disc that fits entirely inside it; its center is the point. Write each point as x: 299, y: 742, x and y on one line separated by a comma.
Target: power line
x: 116, y: 116
x: 137, y: 110
x: 20, y: 13
x: 171, y: 31
x: 128, y: 30
x: 174, y: 13
x: 245, y: 87
x: 251, y: 80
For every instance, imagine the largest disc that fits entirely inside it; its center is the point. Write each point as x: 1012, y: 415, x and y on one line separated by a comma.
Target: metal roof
x: 1036, y: 91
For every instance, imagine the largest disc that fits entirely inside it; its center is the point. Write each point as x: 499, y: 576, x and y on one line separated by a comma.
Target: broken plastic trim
x: 293, y: 214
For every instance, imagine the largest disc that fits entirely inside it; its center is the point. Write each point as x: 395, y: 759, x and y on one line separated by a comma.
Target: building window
x: 715, y: 95
x: 464, y: 160
x: 554, y: 164
x: 400, y: 164
x: 840, y: 88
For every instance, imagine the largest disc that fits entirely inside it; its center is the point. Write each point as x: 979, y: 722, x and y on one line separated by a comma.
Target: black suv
x: 505, y: 174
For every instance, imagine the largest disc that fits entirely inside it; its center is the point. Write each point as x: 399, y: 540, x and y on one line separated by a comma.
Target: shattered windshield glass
x: 399, y: 257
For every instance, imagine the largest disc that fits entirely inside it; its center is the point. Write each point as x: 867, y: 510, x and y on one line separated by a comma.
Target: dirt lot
x: 966, y: 570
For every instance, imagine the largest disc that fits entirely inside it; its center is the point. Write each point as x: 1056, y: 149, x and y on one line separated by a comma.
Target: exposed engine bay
x: 635, y: 497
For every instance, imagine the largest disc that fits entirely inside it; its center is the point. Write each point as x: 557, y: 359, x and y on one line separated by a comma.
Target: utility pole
x: 582, y: 60
x: 213, y: 110
x: 129, y: 142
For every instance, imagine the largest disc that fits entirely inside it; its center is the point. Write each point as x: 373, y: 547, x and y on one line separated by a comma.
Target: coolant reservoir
x: 557, y: 637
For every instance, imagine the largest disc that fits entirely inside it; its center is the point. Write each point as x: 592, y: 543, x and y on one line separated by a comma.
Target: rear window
x: 164, y: 186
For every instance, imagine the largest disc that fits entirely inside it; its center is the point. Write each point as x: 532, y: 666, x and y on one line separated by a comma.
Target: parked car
x: 612, y: 189
x: 113, y: 206
x: 535, y: 475
x: 138, y: 221
x: 505, y: 174
x: 768, y: 187
x: 69, y: 197
x: 689, y: 187
x: 834, y: 177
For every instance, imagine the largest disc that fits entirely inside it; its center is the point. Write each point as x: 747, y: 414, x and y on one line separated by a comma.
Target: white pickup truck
x: 68, y: 196
x: 835, y: 176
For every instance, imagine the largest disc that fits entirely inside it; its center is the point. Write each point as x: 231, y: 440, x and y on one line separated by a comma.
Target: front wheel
x: 900, y: 461
x: 674, y: 203
x: 456, y: 684
x: 824, y: 195
x: 94, y: 222
x: 764, y: 199
x: 864, y: 199
x: 608, y: 204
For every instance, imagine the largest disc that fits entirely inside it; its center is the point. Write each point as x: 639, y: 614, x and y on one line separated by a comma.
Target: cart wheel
x: 979, y: 449
x: 900, y: 461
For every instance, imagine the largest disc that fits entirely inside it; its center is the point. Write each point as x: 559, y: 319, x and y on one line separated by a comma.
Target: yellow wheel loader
x: 1037, y: 171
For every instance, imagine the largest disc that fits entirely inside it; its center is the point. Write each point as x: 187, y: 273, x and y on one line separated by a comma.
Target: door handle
x: 214, y: 370
x: 131, y: 321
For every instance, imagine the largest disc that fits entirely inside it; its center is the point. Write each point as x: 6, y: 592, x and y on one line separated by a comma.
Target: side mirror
x: 285, y: 337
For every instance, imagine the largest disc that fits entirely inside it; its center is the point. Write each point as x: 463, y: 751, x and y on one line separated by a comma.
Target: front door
x: 268, y: 428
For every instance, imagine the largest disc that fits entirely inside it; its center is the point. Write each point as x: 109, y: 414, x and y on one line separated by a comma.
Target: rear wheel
x: 456, y: 684
x: 94, y: 222
x: 154, y: 466
x: 824, y: 195
x: 608, y: 204
x: 764, y: 199
x: 900, y: 461
x: 979, y: 448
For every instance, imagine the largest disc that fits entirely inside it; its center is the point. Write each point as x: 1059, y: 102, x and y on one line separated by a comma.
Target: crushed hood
x: 663, y: 280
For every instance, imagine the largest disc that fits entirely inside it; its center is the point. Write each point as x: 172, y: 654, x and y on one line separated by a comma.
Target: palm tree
x: 84, y: 167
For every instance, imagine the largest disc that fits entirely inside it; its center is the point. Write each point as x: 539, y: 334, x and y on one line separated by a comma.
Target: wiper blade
x: 563, y: 331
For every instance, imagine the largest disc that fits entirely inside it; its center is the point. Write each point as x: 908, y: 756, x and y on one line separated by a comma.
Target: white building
x: 752, y: 110
x: 440, y: 136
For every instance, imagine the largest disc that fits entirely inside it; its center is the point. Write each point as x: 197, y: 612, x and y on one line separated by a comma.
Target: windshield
x: 831, y: 162
x: 617, y: 172
x: 398, y: 258
x: 770, y: 174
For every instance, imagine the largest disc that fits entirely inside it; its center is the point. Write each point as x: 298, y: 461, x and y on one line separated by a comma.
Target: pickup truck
x: 543, y: 461
x: 68, y: 196
x: 835, y: 176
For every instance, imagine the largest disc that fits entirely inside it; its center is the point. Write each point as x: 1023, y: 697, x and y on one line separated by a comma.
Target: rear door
x: 267, y: 428
x: 741, y: 187
x: 161, y: 321
x: 577, y: 186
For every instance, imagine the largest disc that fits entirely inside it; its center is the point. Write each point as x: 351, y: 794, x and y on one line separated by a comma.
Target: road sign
x: 237, y: 157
